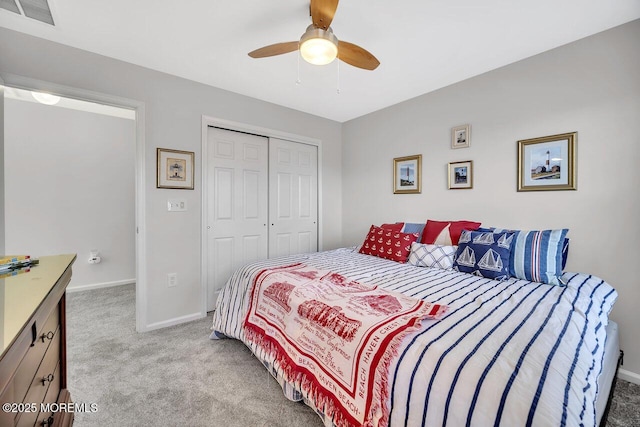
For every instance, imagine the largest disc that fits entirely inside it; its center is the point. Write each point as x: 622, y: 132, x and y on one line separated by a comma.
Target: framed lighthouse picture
x: 461, y: 175
x: 175, y: 169
x: 547, y: 163
x: 407, y: 177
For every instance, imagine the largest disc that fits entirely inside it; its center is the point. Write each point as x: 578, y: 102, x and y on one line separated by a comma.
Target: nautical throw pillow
x: 537, y: 255
x: 388, y: 244
x: 394, y: 227
x: 565, y: 252
x: 445, y: 232
x: 413, y: 227
x: 484, y: 254
x: 436, y: 256
x: 565, y: 245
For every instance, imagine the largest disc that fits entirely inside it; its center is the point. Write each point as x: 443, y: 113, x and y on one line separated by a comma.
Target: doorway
x: 135, y: 111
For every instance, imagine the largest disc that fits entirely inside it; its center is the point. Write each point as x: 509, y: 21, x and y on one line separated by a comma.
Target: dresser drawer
x: 7, y: 418
x: 31, y: 361
x: 43, y: 380
x: 46, y: 418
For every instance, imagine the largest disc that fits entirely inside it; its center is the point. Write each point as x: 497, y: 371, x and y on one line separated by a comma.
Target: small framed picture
x: 175, y: 169
x: 547, y: 163
x: 407, y: 177
x: 461, y: 136
x: 461, y: 175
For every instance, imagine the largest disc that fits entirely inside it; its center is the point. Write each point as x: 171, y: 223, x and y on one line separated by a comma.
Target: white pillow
x: 437, y: 256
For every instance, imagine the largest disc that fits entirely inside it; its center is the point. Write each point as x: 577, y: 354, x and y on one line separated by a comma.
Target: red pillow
x: 446, y: 232
x: 393, y: 227
x: 388, y: 244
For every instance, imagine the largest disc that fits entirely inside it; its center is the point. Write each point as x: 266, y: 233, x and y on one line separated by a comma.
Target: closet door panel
x: 237, y: 210
x: 293, y: 196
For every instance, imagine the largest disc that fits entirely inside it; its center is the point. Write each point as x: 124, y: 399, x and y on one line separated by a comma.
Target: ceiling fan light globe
x: 318, y: 51
x: 318, y: 46
x: 45, y: 98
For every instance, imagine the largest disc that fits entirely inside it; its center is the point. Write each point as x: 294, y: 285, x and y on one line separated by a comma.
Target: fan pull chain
x: 338, y: 82
x: 298, y: 82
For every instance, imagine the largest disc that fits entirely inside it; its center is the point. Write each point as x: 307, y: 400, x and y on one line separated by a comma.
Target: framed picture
x: 407, y: 177
x: 461, y: 136
x: 547, y: 163
x: 175, y: 169
x: 461, y: 175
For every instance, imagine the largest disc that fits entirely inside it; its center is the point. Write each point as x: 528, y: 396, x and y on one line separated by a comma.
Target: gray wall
x: 173, y: 117
x: 2, y: 226
x: 79, y: 171
x: 591, y: 86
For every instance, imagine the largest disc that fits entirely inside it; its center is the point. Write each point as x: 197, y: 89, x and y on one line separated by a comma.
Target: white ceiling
x: 422, y: 45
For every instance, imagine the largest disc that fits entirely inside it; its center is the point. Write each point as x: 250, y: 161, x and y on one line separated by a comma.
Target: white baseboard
x: 100, y: 285
x: 173, y: 322
x: 632, y: 377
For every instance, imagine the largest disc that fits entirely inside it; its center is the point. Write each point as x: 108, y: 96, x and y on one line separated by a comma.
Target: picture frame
x: 407, y: 175
x: 460, y: 175
x: 175, y: 169
x: 461, y: 136
x: 547, y: 163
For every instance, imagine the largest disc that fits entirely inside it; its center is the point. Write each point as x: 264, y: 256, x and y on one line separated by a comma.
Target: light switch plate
x: 176, y: 205
x: 172, y: 280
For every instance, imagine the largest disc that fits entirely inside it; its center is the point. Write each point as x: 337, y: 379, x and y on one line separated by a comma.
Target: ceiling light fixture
x: 45, y: 98
x: 318, y: 46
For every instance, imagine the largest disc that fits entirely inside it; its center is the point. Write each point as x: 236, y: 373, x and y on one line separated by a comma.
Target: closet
x: 261, y: 202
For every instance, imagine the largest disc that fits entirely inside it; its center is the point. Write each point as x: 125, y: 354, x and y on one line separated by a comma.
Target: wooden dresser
x: 33, y: 367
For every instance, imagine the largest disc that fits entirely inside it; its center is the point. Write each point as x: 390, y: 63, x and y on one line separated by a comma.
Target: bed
x: 508, y: 352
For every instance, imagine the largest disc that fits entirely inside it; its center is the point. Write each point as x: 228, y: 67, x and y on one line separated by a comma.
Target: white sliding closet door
x: 293, y: 197
x: 237, y: 204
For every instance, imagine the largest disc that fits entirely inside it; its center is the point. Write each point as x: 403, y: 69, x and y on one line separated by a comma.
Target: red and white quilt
x: 332, y: 337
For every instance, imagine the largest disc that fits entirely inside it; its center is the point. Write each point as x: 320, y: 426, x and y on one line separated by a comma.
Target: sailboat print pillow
x: 484, y: 254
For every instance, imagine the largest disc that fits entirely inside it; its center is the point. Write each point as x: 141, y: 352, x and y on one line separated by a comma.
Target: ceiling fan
x: 318, y: 45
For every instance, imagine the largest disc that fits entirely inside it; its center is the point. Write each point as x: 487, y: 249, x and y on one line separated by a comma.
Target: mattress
x: 609, y: 368
x: 509, y: 352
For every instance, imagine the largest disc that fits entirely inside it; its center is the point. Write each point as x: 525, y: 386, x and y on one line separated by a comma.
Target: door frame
x: 27, y: 83
x: 2, y: 183
x: 208, y: 121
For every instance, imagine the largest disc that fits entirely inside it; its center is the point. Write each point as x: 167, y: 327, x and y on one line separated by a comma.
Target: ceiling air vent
x: 34, y: 9
x: 9, y: 5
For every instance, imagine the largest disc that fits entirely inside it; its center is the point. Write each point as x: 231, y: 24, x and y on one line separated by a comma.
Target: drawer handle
x: 48, y: 421
x: 34, y: 334
x: 48, y: 336
x: 48, y: 378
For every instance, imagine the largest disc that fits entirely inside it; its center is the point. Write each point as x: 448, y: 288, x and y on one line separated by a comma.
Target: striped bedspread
x: 509, y: 353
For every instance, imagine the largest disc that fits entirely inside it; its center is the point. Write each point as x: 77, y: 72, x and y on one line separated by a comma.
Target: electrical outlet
x: 172, y: 280
x: 94, y: 257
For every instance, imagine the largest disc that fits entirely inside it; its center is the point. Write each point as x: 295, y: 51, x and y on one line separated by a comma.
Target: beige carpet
x: 178, y: 377
x: 171, y: 377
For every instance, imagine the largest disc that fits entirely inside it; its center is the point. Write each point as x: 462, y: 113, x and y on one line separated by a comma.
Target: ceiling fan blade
x: 274, y: 49
x: 355, y: 55
x: 322, y: 12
